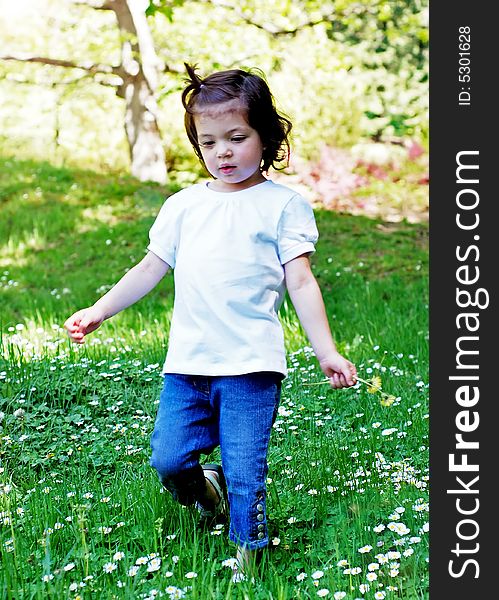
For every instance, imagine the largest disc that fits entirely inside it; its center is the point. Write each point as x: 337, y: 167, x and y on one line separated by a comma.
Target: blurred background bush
x: 351, y: 75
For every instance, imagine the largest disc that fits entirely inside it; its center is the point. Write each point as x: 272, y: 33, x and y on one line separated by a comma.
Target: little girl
x: 236, y: 244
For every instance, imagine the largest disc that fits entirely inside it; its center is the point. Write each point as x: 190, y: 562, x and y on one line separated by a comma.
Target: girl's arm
x: 135, y: 284
x: 309, y: 305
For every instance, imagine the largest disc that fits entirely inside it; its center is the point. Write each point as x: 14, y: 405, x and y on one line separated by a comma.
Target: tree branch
x: 51, y: 84
x: 45, y: 60
x: 90, y: 69
x: 271, y: 30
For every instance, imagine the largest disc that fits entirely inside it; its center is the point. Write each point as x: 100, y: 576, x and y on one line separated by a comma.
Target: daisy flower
x: 154, y: 565
x: 191, y: 575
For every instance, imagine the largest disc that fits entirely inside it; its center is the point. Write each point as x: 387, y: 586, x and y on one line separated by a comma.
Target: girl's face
x: 231, y: 149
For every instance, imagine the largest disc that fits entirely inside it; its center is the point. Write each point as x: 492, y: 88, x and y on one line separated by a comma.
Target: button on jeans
x: 198, y: 413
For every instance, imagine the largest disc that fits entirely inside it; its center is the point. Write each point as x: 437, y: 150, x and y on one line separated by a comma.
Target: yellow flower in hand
x: 374, y: 385
x: 387, y: 400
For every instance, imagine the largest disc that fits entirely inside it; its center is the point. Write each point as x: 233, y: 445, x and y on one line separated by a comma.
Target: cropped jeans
x: 198, y: 413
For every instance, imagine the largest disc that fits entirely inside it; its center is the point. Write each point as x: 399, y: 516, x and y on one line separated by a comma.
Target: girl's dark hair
x: 254, y: 95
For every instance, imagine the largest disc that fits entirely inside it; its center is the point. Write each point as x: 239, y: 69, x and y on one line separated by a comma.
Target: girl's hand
x: 341, y: 372
x: 83, y: 322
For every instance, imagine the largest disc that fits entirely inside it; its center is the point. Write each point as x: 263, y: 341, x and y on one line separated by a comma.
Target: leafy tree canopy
x: 343, y: 70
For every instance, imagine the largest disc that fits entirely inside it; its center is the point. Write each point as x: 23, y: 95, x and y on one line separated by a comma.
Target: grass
x: 82, y: 513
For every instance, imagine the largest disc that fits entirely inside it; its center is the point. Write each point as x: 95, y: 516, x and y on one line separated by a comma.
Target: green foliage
x: 164, y: 8
x: 390, y: 41
x: 360, y: 72
x: 396, y: 29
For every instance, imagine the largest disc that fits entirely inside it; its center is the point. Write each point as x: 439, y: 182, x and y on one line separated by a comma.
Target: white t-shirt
x: 227, y: 250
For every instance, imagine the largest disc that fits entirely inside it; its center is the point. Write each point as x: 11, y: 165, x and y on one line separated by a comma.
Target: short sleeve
x: 163, y: 235
x: 297, y: 232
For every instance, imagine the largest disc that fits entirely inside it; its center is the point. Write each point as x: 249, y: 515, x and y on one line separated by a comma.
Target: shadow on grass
x: 67, y: 235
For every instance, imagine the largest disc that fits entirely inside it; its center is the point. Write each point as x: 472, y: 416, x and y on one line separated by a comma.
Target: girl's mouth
x: 227, y: 169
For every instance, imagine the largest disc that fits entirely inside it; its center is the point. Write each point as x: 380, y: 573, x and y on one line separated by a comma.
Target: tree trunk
x: 139, y: 72
x: 144, y: 140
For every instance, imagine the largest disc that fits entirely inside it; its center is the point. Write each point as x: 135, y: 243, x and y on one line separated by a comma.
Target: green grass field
x: 82, y: 514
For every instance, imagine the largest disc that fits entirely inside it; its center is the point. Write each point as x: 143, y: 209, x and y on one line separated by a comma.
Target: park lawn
x: 82, y: 513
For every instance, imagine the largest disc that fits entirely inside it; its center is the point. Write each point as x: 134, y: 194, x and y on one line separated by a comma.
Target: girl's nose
x: 223, y: 150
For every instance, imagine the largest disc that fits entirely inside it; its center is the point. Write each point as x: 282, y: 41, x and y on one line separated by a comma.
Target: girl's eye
x: 239, y: 138
x: 206, y: 144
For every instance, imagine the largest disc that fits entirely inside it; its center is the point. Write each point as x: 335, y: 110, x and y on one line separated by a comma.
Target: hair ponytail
x: 194, y: 85
x: 193, y: 79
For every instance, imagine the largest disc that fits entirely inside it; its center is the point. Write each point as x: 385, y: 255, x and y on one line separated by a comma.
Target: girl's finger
x: 349, y: 376
x: 72, y: 323
x: 85, y: 324
x: 335, y: 381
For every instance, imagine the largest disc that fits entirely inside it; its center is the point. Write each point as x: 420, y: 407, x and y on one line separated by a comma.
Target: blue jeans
x: 198, y: 413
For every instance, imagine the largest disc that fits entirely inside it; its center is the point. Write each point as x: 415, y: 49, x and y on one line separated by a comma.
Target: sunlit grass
x: 345, y: 473
x: 81, y: 512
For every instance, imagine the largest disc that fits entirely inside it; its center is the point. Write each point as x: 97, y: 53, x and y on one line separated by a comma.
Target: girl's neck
x: 221, y: 186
